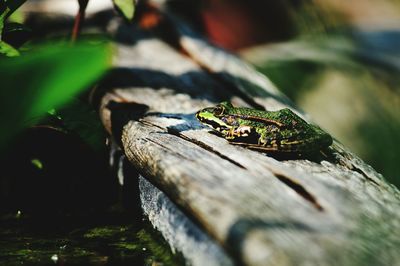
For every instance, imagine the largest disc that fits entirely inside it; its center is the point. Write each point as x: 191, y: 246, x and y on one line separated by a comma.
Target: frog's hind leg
x: 256, y: 147
x: 268, y: 143
x: 243, y: 131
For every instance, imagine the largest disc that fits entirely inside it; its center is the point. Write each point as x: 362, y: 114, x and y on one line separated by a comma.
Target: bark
x: 260, y: 209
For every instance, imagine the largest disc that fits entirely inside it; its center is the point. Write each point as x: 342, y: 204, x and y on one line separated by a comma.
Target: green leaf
x: 3, y: 12
x: 126, y: 8
x: 46, y: 78
x: 8, y: 50
x: 79, y: 118
x: 9, y: 6
x: 37, y: 163
x: 17, y: 17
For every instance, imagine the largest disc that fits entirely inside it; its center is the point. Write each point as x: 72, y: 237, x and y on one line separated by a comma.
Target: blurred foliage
x: 45, y: 78
x: 7, y: 8
x: 78, y: 117
x: 16, y: 34
x: 126, y: 8
x: 343, y: 68
x: 333, y: 66
x: 8, y: 50
x: 59, y: 200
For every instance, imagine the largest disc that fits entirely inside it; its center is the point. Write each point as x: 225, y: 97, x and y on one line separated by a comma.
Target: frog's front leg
x: 240, y: 131
x: 229, y: 134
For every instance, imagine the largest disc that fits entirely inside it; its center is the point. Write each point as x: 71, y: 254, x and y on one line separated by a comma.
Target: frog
x: 281, y: 131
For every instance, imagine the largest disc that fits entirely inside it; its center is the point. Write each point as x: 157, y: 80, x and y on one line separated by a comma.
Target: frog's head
x: 213, y: 116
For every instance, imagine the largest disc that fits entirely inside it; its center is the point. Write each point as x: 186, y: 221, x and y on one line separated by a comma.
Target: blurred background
x: 337, y: 60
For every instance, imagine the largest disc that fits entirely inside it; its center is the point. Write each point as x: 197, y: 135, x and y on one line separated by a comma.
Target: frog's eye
x: 218, y: 110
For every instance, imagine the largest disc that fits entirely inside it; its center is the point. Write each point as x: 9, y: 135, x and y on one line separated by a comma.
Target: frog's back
x: 283, y: 130
x: 296, y: 135
x: 288, y: 118
x: 307, y: 139
x: 285, y: 117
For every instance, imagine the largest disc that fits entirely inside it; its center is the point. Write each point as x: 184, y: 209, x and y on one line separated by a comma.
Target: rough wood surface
x: 262, y: 210
x: 182, y: 234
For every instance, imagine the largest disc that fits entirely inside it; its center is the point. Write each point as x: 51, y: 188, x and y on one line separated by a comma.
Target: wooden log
x: 333, y: 210
x: 182, y: 233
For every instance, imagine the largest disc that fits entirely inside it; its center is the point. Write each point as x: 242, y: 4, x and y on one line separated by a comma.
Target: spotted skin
x: 271, y: 131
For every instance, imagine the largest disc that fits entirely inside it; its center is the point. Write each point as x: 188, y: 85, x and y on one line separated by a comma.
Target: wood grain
x: 263, y: 210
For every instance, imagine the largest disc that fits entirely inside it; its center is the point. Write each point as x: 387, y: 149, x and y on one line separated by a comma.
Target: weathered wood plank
x: 234, y: 191
x: 263, y: 211
x: 179, y: 230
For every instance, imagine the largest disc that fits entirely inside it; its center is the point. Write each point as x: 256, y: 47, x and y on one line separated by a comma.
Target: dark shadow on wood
x: 121, y: 114
x: 196, y: 84
x: 189, y: 122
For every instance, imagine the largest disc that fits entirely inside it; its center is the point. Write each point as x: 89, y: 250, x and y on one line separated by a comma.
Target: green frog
x: 270, y: 131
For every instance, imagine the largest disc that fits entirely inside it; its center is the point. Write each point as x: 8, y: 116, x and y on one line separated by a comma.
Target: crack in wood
x: 204, y: 146
x: 193, y: 141
x: 346, y: 162
x: 147, y: 123
x: 168, y: 149
x: 361, y: 172
x: 299, y: 189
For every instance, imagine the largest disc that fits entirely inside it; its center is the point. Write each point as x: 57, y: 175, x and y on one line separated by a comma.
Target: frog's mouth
x: 212, y: 122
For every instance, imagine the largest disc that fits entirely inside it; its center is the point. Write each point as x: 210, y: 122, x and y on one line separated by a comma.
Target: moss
x: 104, y: 232
x: 20, y: 243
